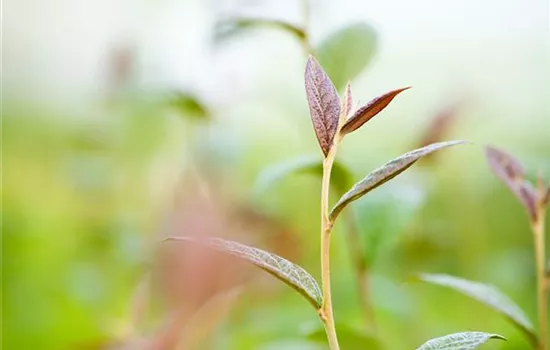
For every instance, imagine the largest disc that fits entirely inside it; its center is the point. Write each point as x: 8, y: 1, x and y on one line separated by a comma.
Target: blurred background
x: 127, y: 121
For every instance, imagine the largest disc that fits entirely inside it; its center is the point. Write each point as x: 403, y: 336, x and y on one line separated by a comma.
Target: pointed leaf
x: 510, y: 171
x: 488, y: 295
x: 288, y: 272
x: 324, y: 103
x: 347, y: 102
x: 385, y: 173
x: 346, y: 52
x: 371, y: 109
x: 271, y: 175
x: 460, y: 341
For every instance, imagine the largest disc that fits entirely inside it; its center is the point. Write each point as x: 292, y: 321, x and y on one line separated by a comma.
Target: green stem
x: 325, y: 312
x: 542, y: 285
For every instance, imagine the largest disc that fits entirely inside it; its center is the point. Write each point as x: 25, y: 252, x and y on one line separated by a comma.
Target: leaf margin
x: 435, y: 343
x: 377, y: 177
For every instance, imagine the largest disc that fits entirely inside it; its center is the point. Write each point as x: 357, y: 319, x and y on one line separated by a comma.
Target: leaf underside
x: 385, y: 173
x: 273, y: 174
x: 459, y: 341
x: 286, y: 271
x: 324, y: 104
x: 488, y: 295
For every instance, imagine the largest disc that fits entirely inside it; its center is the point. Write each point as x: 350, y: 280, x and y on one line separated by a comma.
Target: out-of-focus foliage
x: 91, y: 184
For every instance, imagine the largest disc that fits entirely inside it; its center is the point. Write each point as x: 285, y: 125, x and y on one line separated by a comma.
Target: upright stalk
x: 325, y: 312
x: 542, y: 285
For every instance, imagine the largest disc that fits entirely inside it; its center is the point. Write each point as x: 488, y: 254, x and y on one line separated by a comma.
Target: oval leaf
x: 385, y: 173
x: 288, y: 272
x: 271, y: 175
x: 324, y: 103
x: 346, y: 52
x: 367, y: 112
x: 488, y: 295
x: 459, y: 341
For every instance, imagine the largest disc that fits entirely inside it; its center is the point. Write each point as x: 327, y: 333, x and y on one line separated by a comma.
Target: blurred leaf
x: 460, y: 341
x: 543, y: 193
x: 440, y: 124
x: 367, y: 112
x: 189, y: 106
x: 385, y: 173
x: 231, y: 27
x: 346, y: 52
x: 384, y: 215
x: 288, y: 272
x: 271, y: 175
x: 208, y: 317
x: 349, y: 337
x: 488, y: 295
x: 324, y: 103
x: 509, y: 170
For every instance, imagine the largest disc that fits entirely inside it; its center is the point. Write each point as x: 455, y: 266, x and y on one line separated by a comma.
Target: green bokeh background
x: 88, y: 178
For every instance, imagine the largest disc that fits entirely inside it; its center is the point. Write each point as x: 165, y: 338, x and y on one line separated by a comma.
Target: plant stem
x: 542, y: 285
x: 326, y: 313
x: 362, y: 278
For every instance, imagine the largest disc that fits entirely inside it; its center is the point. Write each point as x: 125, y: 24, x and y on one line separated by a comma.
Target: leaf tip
x: 498, y: 336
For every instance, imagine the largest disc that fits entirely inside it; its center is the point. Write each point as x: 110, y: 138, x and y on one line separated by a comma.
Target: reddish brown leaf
x: 347, y: 102
x: 324, y: 103
x: 510, y: 171
x: 367, y: 112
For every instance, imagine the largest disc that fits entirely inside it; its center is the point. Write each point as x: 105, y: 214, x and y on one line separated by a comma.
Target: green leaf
x: 346, y: 52
x: 459, y: 341
x: 349, y: 337
x: 384, y: 216
x: 189, y: 106
x: 488, y: 295
x: 231, y: 27
x: 288, y: 272
x: 385, y: 173
x: 273, y: 174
